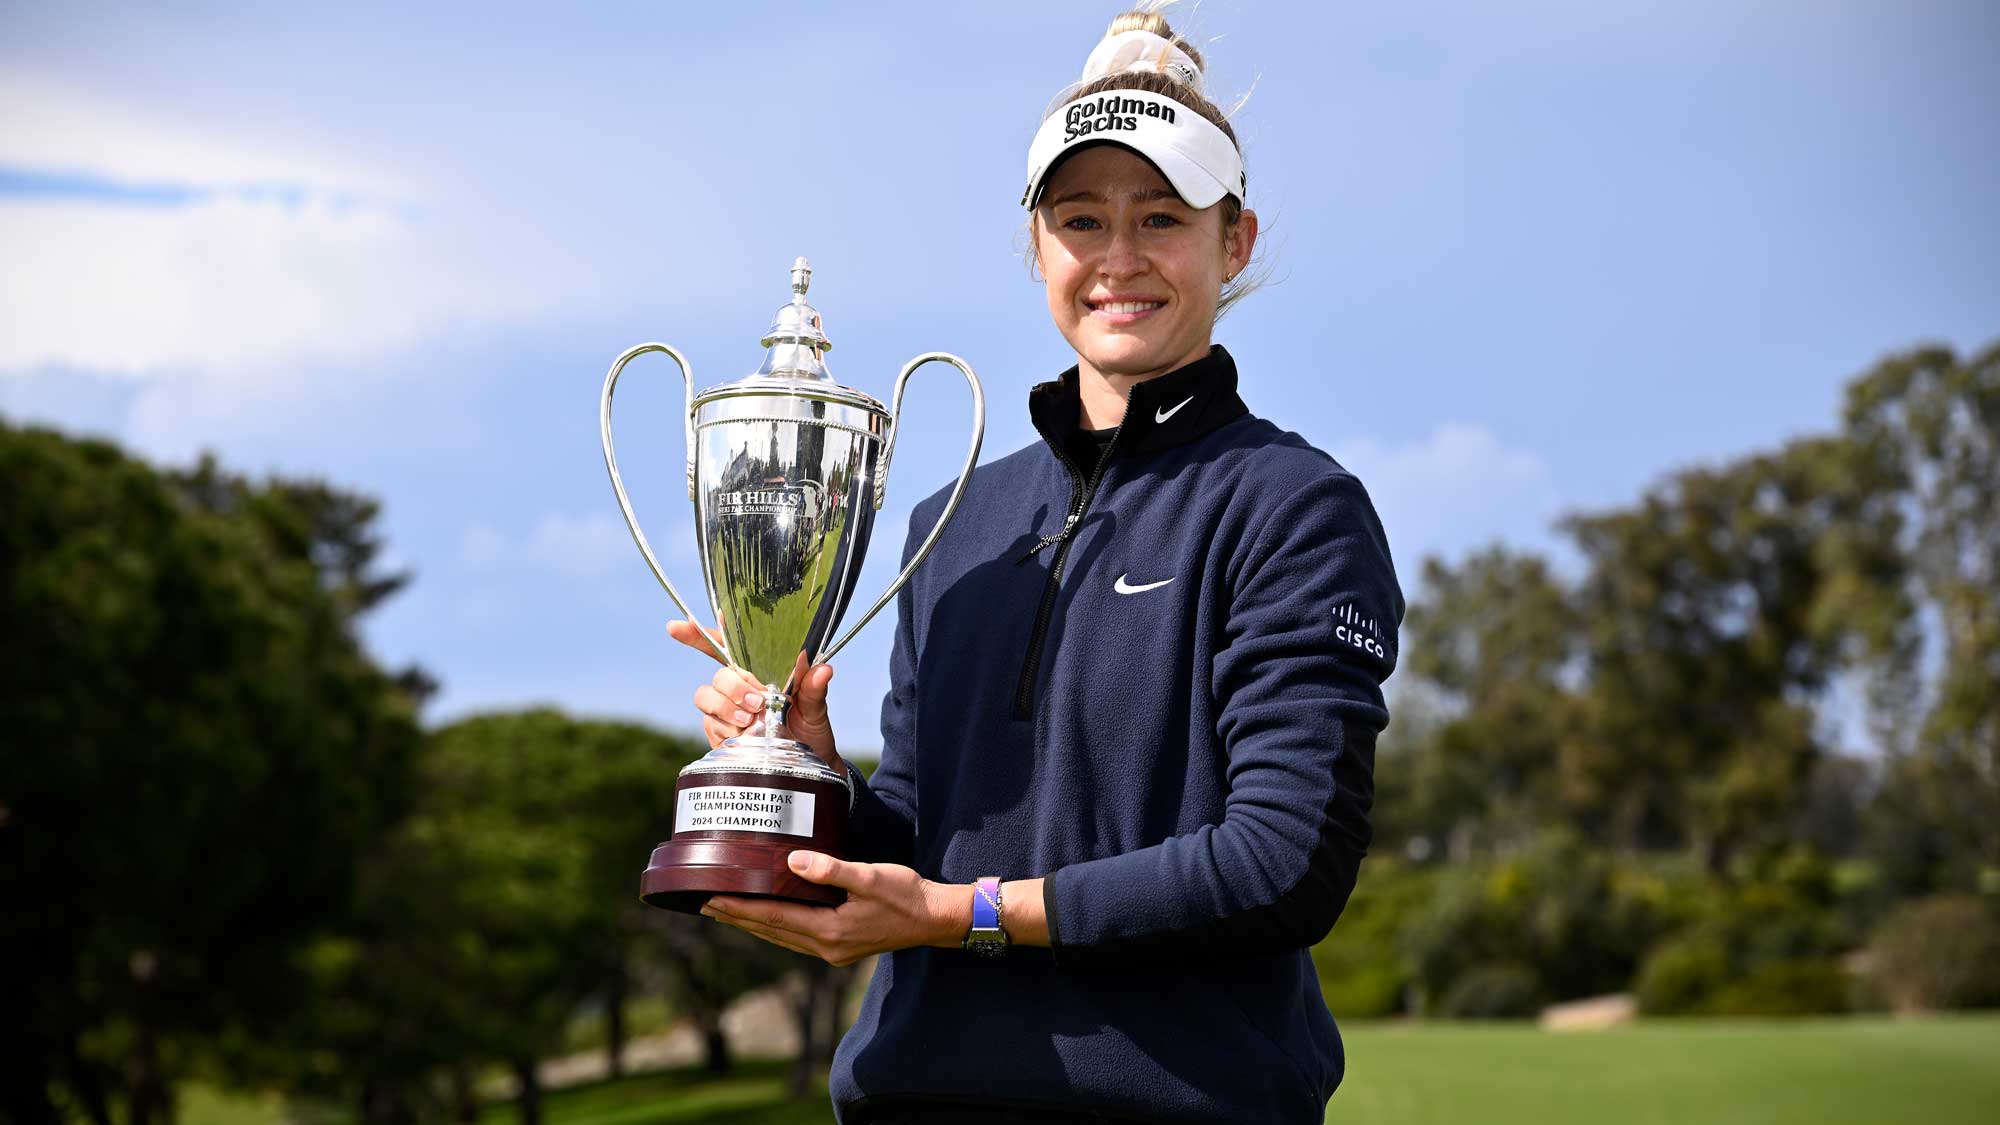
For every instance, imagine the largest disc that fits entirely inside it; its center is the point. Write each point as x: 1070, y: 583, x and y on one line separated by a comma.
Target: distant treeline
x: 228, y: 850
x: 1675, y: 695
x: 1759, y: 725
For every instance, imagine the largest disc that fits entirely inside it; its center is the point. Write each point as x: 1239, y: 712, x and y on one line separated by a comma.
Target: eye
x: 1079, y: 222
x: 1160, y: 220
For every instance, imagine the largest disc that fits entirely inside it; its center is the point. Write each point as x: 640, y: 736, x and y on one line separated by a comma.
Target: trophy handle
x: 882, y: 481
x: 618, y: 484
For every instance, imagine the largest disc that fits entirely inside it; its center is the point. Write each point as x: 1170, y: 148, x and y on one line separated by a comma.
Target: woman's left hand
x: 888, y: 907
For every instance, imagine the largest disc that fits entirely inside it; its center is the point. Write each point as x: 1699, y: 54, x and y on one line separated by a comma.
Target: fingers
x: 726, y: 709
x: 827, y: 953
x: 792, y: 921
x: 809, y: 701
x: 716, y: 733
x: 728, y: 704
x: 733, y: 701
x: 784, y: 939
x: 818, y: 867
x: 687, y: 633
x: 810, y: 930
x: 836, y: 935
x: 816, y: 931
x: 808, y: 717
x: 777, y: 913
x: 721, y: 718
x: 738, y: 686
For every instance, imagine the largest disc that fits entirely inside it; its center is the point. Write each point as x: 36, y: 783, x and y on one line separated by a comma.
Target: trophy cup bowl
x: 786, y: 469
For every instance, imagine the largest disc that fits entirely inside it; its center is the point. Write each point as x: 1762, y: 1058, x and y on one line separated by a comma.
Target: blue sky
x: 1526, y: 258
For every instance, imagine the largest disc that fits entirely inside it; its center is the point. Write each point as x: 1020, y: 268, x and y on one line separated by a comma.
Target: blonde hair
x: 1158, y: 82
x: 1150, y: 19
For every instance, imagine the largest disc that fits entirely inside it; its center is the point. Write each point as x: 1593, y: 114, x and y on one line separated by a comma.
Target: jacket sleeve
x: 882, y: 825
x: 1309, y: 636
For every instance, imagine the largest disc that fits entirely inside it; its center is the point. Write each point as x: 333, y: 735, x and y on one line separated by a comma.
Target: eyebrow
x: 1085, y: 195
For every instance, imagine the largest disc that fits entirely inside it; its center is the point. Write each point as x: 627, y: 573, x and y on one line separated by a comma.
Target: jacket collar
x: 1160, y: 413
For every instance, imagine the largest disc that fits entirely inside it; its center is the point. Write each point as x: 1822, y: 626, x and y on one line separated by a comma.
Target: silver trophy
x: 786, y: 469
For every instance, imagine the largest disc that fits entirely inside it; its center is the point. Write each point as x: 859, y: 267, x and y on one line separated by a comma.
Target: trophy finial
x: 796, y: 338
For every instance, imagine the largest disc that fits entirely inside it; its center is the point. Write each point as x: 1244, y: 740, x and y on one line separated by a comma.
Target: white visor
x: 1198, y: 159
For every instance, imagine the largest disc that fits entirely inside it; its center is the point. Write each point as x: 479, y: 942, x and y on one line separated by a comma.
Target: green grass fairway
x: 1717, y: 1072
x: 1941, y: 1071
x: 754, y: 1095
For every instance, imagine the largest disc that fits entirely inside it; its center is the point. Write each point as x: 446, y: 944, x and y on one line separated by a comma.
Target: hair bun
x: 1143, y: 50
x: 1151, y: 20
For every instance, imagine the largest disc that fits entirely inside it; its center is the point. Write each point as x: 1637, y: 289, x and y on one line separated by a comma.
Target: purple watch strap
x: 986, y: 903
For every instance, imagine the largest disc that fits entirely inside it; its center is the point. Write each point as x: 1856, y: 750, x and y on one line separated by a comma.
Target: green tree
x: 1717, y: 612
x: 197, y: 753
x: 504, y: 905
x: 1496, y: 641
x: 510, y: 817
x: 1934, y: 419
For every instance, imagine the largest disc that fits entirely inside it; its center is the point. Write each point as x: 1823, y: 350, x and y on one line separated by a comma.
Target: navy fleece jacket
x: 1167, y: 706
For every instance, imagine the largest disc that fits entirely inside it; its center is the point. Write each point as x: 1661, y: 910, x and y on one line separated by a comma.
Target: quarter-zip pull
x: 1024, y: 692
x: 1068, y: 526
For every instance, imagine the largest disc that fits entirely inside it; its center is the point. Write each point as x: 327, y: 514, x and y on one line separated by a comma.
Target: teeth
x: 1128, y: 306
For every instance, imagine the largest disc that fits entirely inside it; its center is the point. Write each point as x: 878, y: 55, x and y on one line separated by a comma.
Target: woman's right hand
x: 732, y: 701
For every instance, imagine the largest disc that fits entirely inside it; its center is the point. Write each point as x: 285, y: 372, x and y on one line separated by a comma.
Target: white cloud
x: 230, y: 283
x: 48, y: 126
x: 223, y: 282
x: 1456, y: 489
x: 261, y: 256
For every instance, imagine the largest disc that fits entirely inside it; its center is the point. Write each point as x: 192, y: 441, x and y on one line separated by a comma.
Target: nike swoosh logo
x: 1163, y: 415
x: 1125, y: 587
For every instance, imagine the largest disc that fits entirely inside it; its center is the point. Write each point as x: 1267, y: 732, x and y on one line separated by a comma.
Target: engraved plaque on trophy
x: 786, y: 469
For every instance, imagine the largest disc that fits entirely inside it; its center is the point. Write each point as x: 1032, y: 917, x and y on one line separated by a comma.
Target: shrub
x: 1936, y: 953
x: 1765, y: 947
x: 1680, y: 976
x: 1493, y: 992
x: 1575, y: 918
x: 1802, y: 987
x: 1364, y: 988
x: 1362, y: 970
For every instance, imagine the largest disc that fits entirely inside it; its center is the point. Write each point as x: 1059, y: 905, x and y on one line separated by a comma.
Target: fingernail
x: 742, y: 718
x: 799, y: 861
x: 708, y: 911
x: 752, y: 700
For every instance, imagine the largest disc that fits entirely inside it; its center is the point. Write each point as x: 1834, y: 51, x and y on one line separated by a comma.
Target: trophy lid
x: 796, y: 340
x: 794, y: 358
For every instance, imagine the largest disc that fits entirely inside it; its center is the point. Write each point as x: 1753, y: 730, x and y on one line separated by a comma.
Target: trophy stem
x: 776, y: 706
x: 766, y: 745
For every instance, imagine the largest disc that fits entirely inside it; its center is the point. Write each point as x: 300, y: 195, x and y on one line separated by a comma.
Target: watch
x: 988, y: 935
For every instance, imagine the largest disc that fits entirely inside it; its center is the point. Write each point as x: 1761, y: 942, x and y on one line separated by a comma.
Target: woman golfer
x: 1128, y: 743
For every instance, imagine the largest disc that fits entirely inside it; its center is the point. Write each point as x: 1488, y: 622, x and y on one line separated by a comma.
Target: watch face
x: 987, y: 941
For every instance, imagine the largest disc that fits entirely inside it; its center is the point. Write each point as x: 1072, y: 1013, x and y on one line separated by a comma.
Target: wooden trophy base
x: 704, y: 860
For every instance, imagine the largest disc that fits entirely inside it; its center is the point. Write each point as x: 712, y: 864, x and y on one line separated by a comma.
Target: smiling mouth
x: 1125, y: 308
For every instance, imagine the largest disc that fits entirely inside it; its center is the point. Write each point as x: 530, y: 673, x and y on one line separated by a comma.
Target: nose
x: 1124, y: 256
